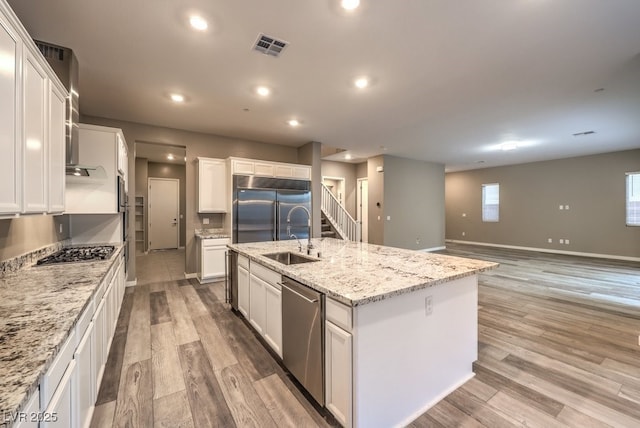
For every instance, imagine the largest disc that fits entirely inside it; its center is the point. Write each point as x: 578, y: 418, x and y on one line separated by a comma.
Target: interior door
x: 363, y: 207
x: 164, y: 211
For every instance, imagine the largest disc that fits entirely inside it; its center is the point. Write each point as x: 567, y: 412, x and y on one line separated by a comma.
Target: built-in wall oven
x: 123, y: 208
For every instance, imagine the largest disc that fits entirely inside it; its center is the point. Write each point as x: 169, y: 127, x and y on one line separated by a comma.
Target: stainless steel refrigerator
x: 262, y: 205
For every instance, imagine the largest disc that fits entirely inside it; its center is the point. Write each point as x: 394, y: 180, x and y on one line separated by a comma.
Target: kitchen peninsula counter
x: 400, y: 326
x: 358, y: 273
x: 39, y: 307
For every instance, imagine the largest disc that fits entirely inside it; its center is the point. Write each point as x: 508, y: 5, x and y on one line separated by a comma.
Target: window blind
x: 633, y: 199
x: 490, y: 202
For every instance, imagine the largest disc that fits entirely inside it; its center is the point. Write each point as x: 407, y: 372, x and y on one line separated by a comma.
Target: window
x: 633, y: 199
x: 490, y: 202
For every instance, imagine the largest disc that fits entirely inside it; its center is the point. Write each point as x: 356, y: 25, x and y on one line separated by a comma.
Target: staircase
x: 339, y: 223
x: 327, y: 229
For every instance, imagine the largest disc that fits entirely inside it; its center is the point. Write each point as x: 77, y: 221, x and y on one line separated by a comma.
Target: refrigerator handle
x: 276, y: 232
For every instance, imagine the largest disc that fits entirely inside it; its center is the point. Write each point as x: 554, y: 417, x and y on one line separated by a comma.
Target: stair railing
x: 340, y: 219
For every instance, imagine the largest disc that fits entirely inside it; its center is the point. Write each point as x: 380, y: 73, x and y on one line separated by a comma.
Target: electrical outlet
x: 561, y: 241
x: 561, y: 207
x: 388, y: 218
x: 417, y: 241
x: 550, y: 241
x: 566, y: 241
x: 464, y: 233
x: 205, y: 220
x: 428, y: 305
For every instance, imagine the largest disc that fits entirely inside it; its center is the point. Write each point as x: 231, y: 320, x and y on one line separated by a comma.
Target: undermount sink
x: 289, y: 258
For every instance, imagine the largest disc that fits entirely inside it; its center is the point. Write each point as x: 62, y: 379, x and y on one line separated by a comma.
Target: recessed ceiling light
x: 170, y: 156
x: 350, y: 4
x: 198, y: 23
x: 263, y: 91
x: 509, y: 145
x: 177, y: 98
x: 294, y: 122
x: 361, y: 82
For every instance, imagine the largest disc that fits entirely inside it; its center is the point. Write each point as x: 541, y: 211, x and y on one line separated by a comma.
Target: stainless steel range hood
x: 65, y: 64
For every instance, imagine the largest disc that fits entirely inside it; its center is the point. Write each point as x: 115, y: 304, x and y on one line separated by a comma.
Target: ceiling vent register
x: 270, y: 45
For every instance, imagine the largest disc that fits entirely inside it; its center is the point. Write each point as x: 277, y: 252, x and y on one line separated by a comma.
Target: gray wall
x: 361, y: 170
x: 414, y: 199
x: 530, y: 196
x: 197, y: 144
x: 167, y: 170
x: 23, y: 235
x: 348, y: 172
x: 310, y: 154
x: 411, y: 193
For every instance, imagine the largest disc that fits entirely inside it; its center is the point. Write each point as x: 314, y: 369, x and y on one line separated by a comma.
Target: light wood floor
x: 558, y: 346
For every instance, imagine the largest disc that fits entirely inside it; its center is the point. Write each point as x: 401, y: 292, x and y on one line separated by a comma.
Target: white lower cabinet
x: 85, y: 396
x: 59, y: 413
x: 101, y: 344
x: 338, y: 362
x: 257, y: 303
x: 265, y: 303
x: 29, y: 416
x: 212, y: 259
x: 243, y: 290
x: 273, y: 317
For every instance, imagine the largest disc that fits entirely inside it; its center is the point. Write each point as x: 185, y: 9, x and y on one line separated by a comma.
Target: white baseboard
x: 547, y: 250
x: 131, y: 283
x: 190, y: 275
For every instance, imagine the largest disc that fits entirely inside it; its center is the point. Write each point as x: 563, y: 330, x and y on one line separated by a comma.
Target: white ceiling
x: 452, y: 79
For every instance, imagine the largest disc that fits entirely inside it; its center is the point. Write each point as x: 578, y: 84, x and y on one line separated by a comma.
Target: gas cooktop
x: 78, y: 254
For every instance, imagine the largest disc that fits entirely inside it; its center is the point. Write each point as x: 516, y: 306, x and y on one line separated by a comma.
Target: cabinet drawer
x: 266, y: 274
x: 100, y: 291
x: 243, y: 261
x: 215, y: 242
x: 84, y: 320
x: 52, y: 378
x: 338, y: 314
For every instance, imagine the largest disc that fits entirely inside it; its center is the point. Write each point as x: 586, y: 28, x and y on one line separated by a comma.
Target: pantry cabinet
x: 34, y: 135
x: 10, y: 106
x: 56, y: 127
x: 32, y: 121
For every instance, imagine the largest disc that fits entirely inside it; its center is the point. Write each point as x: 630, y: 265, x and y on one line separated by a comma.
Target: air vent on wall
x: 269, y: 45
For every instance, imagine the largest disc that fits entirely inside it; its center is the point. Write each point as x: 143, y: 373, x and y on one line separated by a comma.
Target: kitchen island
x: 400, y: 326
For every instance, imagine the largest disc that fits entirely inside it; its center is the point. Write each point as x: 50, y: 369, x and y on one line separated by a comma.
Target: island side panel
x: 405, y: 361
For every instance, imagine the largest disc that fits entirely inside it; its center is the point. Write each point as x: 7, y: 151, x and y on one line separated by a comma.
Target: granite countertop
x: 39, y: 306
x: 356, y: 274
x: 211, y: 234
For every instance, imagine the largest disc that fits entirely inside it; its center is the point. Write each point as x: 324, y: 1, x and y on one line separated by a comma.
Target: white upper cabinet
x: 100, y: 149
x: 212, y: 185
x: 123, y: 156
x: 32, y: 121
x: 56, y: 124
x: 270, y: 169
x: 35, y: 135
x: 10, y: 105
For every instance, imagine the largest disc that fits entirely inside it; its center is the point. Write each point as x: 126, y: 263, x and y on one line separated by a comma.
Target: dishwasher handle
x: 298, y: 294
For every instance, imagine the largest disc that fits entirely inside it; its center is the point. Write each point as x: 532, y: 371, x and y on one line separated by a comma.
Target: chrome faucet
x: 309, y: 244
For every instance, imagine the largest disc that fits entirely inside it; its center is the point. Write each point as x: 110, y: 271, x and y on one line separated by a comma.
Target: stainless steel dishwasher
x: 303, y: 336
